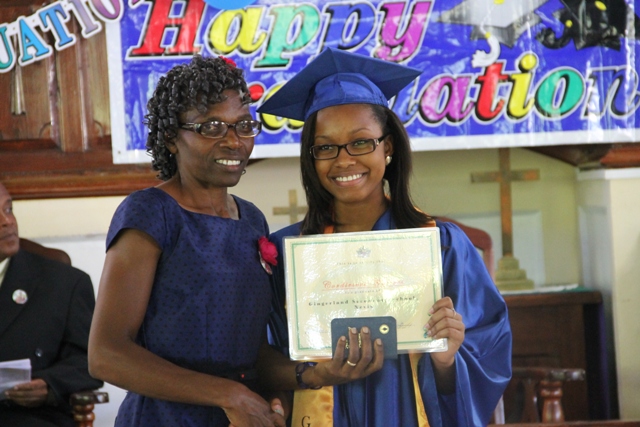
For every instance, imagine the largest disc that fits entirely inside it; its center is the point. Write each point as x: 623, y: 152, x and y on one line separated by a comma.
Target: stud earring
x: 387, y: 160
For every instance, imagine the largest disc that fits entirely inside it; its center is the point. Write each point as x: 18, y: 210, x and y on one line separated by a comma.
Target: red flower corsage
x: 268, y: 254
x: 228, y: 61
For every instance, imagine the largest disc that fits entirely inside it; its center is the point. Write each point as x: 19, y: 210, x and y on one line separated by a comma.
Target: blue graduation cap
x: 337, y: 77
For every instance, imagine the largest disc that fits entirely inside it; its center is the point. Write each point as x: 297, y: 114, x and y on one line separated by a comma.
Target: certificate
x: 378, y: 273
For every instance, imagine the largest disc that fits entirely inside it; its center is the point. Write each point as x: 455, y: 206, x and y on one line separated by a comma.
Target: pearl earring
x: 387, y: 160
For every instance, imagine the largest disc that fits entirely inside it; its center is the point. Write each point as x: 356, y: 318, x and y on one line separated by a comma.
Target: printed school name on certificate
x: 378, y: 273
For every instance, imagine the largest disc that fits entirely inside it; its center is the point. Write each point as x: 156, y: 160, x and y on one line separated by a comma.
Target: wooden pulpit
x: 563, y: 330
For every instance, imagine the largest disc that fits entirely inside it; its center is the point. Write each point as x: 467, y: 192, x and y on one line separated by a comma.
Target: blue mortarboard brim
x: 337, y: 77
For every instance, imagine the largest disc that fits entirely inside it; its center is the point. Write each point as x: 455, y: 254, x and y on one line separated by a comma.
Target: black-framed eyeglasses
x: 359, y: 147
x: 217, y: 129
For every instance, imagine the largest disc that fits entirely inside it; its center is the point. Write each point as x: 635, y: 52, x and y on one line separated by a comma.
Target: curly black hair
x: 198, y: 84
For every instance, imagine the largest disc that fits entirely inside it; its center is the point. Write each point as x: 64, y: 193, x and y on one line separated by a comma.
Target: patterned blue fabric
x: 483, y: 362
x: 209, y: 302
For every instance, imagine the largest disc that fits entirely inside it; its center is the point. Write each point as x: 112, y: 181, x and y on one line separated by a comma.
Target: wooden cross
x: 505, y: 176
x: 293, y: 210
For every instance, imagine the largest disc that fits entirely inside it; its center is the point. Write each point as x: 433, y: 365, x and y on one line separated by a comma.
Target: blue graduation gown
x: 483, y: 362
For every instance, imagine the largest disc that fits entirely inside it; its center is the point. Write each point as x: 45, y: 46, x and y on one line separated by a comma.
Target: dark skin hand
x: 244, y: 415
x: 281, y: 405
x: 368, y: 359
x: 31, y: 394
x: 278, y: 372
x: 445, y: 322
x: 277, y: 408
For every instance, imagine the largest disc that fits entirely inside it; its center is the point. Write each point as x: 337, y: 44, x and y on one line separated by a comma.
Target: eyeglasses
x: 217, y: 129
x: 359, y: 147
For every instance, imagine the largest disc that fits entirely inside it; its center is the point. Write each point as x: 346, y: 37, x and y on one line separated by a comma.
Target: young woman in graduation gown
x: 351, y: 144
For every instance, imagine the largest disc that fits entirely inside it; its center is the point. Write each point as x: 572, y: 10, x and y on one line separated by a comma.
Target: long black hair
x: 397, y: 174
x: 198, y: 84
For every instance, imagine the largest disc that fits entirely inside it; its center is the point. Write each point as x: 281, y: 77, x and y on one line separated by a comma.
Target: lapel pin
x: 20, y: 296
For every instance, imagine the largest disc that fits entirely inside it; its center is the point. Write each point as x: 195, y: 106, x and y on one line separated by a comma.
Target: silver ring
x: 454, y: 312
x: 350, y: 363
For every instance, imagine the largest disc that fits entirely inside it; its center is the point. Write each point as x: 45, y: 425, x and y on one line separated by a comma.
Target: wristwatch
x: 300, y: 368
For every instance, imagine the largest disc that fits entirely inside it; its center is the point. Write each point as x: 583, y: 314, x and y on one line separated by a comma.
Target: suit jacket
x: 52, y: 327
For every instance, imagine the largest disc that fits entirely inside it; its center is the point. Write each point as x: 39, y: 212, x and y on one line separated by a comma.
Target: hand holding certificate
x: 369, y: 274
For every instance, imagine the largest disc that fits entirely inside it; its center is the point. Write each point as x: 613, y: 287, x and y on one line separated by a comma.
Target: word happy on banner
x: 53, y: 18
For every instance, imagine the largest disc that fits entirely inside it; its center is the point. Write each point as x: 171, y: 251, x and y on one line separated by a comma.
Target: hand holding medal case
x: 383, y: 327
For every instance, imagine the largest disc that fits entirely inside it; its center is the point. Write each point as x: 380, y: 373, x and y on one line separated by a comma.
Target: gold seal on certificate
x: 377, y: 273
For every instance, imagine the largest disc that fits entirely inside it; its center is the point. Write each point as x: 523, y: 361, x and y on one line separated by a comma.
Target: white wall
x: 442, y: 186
x: 609, y: 203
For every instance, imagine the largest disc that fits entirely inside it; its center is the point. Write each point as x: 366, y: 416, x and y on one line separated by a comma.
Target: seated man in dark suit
x: 45, y: 314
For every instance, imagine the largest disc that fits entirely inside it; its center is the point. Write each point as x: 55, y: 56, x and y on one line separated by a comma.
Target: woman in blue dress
x: 184, y: 294
x: 352, y: 147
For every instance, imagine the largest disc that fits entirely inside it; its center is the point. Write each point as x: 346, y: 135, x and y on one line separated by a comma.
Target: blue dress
x: 483, y: 363
x: 210, y: 299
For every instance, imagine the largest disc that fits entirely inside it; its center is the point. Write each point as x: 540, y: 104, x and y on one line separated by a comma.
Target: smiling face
x: 213, y: 162
x: 9, y: 242
x: 352, y: 179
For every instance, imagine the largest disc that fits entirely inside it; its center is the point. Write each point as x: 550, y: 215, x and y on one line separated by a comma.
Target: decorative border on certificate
x: 377, y: 273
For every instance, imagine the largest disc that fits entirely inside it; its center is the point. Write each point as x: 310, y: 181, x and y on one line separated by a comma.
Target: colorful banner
x: 497, y: 73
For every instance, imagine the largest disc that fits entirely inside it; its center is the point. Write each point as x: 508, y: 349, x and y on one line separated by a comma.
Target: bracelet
x: 300, y: 368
